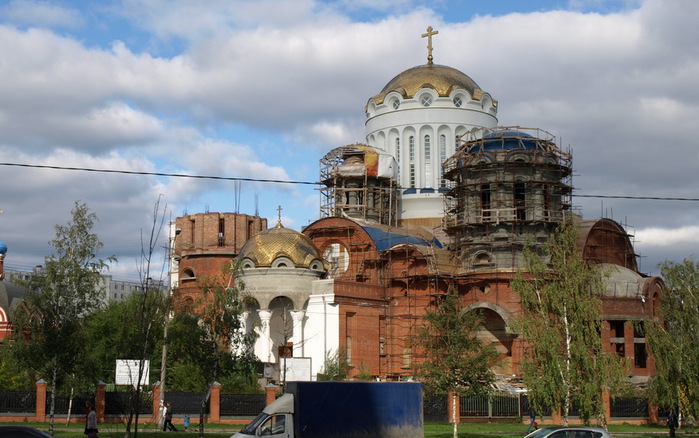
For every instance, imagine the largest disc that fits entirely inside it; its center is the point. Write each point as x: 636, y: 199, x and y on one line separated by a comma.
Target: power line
x: 648, y: 198
x: 261, y: 180
x: 174, y: 175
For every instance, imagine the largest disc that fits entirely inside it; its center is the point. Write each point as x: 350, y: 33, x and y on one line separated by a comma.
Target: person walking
x: 90, y: 421
x: 532, y: 421
x: 672, y: 422
x: 167, y: 424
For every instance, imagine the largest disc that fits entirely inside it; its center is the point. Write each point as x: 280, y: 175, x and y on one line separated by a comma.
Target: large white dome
x: 419, y: 118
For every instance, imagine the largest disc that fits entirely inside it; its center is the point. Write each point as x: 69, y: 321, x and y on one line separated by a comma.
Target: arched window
x: 411, y: 156
x: 398, y: 150
x: 428, y: 161
x: 520, y: 201
x: 485, y: 202
x: 188, y: 274
x: 442, y: 157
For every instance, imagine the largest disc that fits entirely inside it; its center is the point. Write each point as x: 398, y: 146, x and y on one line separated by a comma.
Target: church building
x: 438, y: 198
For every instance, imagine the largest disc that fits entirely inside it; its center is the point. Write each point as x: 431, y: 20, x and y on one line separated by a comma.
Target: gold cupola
x: 280, y: 242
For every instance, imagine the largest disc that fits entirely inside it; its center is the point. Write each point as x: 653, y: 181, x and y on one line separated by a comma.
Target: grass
x: 432, y: 430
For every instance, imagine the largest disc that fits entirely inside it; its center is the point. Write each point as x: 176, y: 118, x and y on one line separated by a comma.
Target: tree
x: 335, y: 367
x: 209, y: 336
x: 672, y: 338
x: 12, y: 375
x: 456, y: 359
x: 561, y: 298
x: 64, y: 293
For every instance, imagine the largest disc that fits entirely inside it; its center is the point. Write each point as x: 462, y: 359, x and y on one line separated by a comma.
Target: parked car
x: 569, y: 432
x: 10, y: 430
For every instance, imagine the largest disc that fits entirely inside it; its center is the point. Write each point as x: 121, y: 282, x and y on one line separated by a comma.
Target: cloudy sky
x: 261, y: 89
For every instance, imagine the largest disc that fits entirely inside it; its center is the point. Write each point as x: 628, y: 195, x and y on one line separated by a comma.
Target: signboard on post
x: 295, y: 369
x: 127, y: 372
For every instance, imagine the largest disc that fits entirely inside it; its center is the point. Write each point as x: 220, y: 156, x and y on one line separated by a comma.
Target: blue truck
x: 342, y: 410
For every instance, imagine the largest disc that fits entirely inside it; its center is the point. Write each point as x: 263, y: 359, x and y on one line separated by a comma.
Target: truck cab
x: 275, y: 421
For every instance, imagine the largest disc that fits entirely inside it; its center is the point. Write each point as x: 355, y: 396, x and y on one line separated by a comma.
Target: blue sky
x: 264, y: 88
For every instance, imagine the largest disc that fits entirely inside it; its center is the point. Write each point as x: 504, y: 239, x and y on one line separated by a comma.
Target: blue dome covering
x: 384, y: 239
x: 506, y: 140
x: 3, y: 248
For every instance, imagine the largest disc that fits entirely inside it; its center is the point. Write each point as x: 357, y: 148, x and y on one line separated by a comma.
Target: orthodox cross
x: 429, y: 43
x: 279, y: 214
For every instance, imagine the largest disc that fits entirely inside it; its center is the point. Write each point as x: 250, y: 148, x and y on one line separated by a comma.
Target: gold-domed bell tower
x: 419, y: 118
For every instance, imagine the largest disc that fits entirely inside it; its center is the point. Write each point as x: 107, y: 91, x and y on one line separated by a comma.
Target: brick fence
x: 213, y: 413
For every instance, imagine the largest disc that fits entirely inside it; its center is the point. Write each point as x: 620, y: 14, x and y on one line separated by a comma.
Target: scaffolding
x: 391, y: 271
x: 505, y: 182
x: 359, y: 183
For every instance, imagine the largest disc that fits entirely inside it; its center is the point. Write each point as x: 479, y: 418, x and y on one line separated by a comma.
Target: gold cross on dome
x: 429, y: 43
x: 279, y: 215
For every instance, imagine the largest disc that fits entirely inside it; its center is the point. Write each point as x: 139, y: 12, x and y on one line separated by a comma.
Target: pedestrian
x: 90, y: 421
x: 532, y: 421
x: 167, y: 424
x: 186, y: 422
x: 672, y: 422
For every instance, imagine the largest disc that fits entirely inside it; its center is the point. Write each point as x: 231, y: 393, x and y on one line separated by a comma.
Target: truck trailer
x: 342, y: 410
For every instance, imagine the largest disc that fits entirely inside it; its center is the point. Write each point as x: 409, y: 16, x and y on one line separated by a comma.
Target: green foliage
x: 242, y: 379
x: 561, y: 303
x: 62, y: 295
x: 111, y: 339
x: 52, y: 339
x: 455, y: 358
x: 204, y: 338
x: 335, y: 367
x: 673, y: 338
x: 13, y: 376
x: 363, y: 374
x: 209, y: 339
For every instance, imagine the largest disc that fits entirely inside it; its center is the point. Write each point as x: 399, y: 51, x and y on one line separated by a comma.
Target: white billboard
x: 295, y: 369
x: 127, y: 372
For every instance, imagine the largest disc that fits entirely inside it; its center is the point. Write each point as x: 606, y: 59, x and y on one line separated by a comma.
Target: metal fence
x: 507, y: 405
x: 119, y: 403
x: 18, y: 402
x: 499, y: 405
x: 65, y: 403
x: 186, y: 402
x: 434, y: 408
x: 242, y: 404
x: 632, y: 407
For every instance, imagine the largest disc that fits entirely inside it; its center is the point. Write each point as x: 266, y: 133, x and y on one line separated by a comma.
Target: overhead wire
x: 278, y: 181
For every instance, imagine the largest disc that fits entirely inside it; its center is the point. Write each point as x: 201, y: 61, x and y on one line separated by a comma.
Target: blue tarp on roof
x: 506, y: 140
x: 384, y: 239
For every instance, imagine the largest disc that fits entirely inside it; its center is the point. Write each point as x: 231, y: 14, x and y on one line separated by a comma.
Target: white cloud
x: 657, y: 236
x: 247, y: 93
x: 41, y: 13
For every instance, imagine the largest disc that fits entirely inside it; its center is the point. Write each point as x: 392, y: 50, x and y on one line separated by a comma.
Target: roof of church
x: 385, y: 237
x: 264, y: 247
x: 441, y: 78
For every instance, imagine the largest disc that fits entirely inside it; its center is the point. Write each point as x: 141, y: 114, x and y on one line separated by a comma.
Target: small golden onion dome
x: 440, y: 78
x: 268, y: 245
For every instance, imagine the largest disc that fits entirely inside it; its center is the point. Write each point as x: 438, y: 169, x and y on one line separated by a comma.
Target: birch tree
x: 64, y: 293
x: 564, y: 362
x: 673, y: 338
x: 216, y: 344
x: 456, y: 359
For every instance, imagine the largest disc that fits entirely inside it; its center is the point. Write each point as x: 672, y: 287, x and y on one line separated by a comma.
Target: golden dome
x: 268, y: 245
x: 440, y: 78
